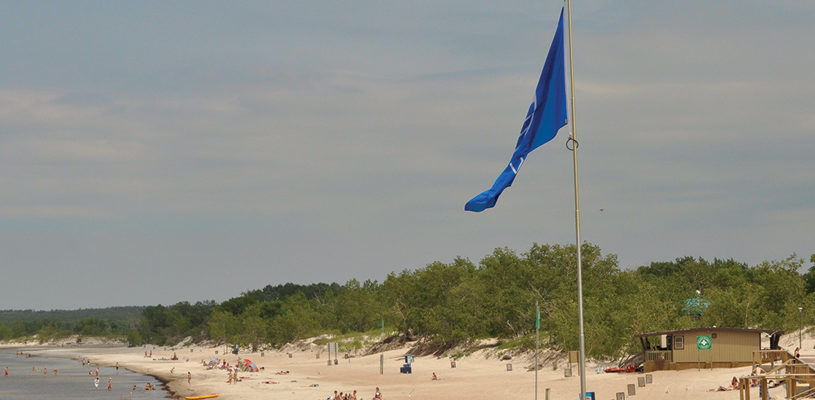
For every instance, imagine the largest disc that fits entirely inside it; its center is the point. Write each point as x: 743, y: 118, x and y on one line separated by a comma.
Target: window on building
x: 679, y: 342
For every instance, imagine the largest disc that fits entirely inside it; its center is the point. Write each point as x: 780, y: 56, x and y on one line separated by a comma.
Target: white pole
x: 537, y: 335
x: 575, y: 145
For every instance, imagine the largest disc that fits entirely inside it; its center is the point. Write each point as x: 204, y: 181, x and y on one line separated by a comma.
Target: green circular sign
x: 703, y: 342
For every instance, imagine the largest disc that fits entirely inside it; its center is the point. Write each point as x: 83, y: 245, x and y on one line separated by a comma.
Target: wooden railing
x: 770, y: 356
x: 654, y: 355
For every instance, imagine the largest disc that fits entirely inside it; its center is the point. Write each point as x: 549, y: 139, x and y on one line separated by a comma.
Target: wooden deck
x: 798, y: 374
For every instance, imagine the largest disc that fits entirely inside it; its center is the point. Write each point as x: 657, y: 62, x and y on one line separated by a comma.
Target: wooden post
x: 744, y: 389
x: 762, y: 385
x: 745, y: 384
x: 791, y: 389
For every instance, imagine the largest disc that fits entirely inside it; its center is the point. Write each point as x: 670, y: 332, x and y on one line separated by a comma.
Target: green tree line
x: 448, y: 304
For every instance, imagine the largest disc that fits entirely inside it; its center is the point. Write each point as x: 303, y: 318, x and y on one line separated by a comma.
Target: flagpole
x: 574, y: 145
x: 537, y: 340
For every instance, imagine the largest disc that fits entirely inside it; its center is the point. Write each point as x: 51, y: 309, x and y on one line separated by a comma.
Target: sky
x: 154, y: 152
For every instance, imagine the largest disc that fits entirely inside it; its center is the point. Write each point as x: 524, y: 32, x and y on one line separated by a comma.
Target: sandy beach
x: 479, y: 375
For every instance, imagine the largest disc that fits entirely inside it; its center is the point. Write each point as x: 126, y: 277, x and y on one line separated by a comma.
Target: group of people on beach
x: 754, y: 382
x: 349, y: 396
x: 232, y: 375
x: 231, y: 371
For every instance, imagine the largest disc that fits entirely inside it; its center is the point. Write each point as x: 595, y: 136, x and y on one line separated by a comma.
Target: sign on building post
x: 703, y: 342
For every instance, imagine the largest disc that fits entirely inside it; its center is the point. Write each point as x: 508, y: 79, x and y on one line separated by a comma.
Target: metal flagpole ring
x: 572, y: 143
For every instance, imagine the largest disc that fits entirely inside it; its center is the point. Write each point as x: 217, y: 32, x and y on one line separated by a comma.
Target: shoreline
x: 304, y: 372
x: 91, y: 352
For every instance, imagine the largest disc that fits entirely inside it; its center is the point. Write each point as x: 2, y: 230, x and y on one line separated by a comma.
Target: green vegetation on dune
x: 460, y: 302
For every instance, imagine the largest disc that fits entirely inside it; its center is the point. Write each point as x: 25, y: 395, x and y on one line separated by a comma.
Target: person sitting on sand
x: 434, y: 378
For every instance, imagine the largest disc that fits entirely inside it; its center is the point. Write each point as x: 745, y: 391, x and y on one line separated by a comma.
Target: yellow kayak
x: 206, y: 396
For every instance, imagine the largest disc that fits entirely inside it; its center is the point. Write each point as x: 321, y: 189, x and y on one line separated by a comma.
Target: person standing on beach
x: 6, y: 371
x: 117, y: 368
x: 110, y: 384
x: 189, y: 377
x: 96, y: 383
x: 45, y: 372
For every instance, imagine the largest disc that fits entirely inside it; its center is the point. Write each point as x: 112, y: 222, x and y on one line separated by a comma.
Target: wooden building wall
x: 726, y: 347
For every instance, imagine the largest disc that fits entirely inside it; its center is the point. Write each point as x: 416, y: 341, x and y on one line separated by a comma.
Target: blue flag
x: 546, y: 115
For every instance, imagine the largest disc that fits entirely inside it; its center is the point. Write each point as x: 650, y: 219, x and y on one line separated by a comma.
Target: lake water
x: 72, y: 381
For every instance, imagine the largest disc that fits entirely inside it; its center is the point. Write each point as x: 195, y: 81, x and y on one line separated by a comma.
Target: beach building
x: 705, y: 347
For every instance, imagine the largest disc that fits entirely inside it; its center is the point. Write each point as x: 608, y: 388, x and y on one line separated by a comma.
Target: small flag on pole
x: 382, y: 323
x: 538, y: 319
x: 546, y: 115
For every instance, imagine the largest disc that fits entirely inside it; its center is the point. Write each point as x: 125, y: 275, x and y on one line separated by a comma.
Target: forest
x: 456, y: 303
